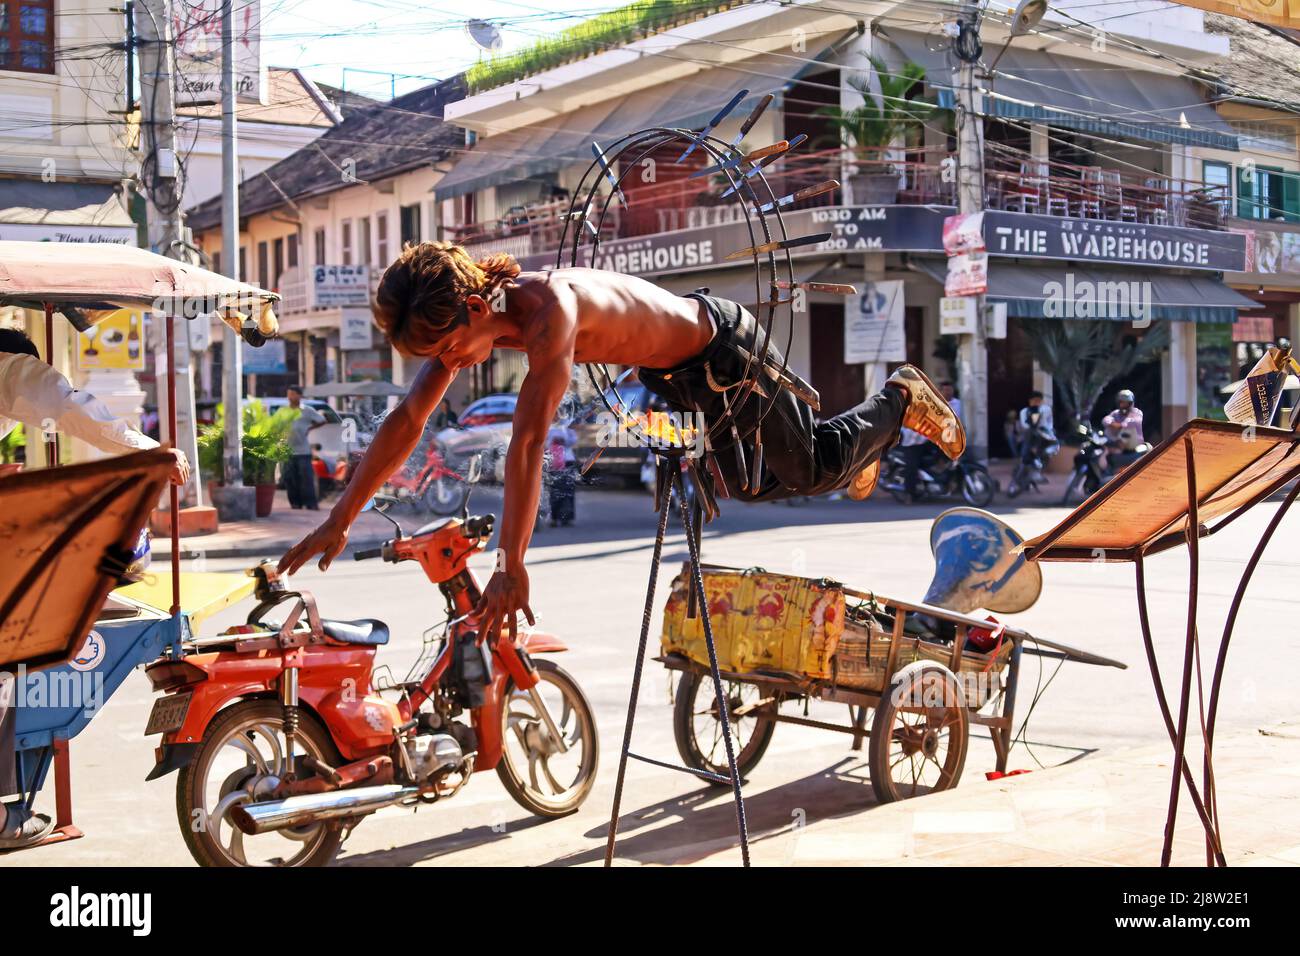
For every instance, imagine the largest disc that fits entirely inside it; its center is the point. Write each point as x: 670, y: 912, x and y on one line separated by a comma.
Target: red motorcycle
x: 434, y: 487
x: 284, y: 744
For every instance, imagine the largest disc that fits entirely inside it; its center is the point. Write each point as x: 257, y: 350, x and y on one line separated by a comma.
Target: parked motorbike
x: 435, y: 488
x: 284, y: 743
x: 1092, y: 469
x: 1038, y: 445
x: 937, y: 480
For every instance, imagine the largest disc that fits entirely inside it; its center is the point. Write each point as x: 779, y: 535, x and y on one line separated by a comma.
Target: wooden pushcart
x: 914, y: 702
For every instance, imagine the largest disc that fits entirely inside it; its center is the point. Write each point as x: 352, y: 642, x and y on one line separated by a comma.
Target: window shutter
x: 1290, y: 196
x: 1246, y: 194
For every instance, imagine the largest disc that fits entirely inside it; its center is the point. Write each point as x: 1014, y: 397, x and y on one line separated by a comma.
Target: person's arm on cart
x: 393, y: 444
x: 34, y: 393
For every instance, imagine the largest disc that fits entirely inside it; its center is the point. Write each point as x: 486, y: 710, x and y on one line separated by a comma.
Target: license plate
x: 168, y: 714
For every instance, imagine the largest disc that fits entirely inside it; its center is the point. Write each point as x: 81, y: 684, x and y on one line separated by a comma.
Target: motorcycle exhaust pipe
x: 306, y: 809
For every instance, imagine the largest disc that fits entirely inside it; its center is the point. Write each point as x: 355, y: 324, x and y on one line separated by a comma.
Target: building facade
x: 319, y: 226
x: 1093, y: 172
x: 67, y: 158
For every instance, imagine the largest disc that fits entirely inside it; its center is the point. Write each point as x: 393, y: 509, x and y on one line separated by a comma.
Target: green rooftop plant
x: 614, y: 28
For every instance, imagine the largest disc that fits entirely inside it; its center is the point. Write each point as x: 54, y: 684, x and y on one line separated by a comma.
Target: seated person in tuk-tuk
x: 34, y: 394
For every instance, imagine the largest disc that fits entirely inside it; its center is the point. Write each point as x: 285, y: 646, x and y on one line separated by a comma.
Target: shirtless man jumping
x: 436, y: 302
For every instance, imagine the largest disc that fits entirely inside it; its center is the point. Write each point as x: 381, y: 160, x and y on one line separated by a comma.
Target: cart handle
x: 1015, y: 633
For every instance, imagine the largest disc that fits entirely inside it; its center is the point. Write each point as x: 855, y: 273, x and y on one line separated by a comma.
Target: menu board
x: 1236, y: 465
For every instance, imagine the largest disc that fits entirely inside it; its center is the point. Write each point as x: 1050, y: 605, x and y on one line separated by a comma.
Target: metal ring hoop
x: 752, y: 190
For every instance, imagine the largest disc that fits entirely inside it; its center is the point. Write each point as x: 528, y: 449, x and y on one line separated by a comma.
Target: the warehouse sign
x: 852, y: 229
x: 1130, y: 243
x: 637, y: 257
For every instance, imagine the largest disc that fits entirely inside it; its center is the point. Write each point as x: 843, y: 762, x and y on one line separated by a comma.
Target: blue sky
x: 419, y: 39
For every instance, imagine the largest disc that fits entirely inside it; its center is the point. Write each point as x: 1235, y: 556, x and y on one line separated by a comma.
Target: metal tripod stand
x: 669, y: 485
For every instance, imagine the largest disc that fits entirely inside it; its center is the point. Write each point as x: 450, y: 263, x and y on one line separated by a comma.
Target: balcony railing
x: 1014, y: 181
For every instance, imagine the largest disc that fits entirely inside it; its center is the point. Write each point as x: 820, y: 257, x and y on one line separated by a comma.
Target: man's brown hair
x: 421, y: 296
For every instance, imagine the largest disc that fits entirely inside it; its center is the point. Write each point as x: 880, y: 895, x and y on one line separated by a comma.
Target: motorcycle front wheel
x: 1079, y: 487
x: 242, y: 758
x: 977, y: 488
x: 542, y: 779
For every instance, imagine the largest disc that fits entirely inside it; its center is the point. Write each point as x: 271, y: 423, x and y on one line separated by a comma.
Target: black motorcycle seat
x: 367, y: 631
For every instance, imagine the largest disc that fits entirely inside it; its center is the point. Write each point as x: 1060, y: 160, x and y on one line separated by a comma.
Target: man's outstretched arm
x: 550, y: 368
x: 393, y: 444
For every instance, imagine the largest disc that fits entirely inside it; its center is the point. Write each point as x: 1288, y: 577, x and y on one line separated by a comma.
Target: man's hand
x: 180, y: 468
x: 327, y: 540
x: 505, y: 595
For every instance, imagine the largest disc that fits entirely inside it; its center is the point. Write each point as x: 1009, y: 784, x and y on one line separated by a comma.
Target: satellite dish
x: 484, y: 34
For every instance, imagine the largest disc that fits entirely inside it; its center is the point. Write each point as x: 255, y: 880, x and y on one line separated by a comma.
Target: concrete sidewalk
x: 274, y: 534
x: 1099, y: 811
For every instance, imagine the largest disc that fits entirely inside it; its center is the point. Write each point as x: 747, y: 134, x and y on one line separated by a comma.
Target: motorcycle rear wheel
x: 445, y: 495
x: 205, y: 793
x: 525, y: 767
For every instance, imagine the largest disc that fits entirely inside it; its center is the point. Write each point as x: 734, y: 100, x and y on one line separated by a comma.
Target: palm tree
x: 1084, y: 356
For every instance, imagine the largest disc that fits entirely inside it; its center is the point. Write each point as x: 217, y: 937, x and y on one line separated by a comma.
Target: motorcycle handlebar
x: 368, y: 553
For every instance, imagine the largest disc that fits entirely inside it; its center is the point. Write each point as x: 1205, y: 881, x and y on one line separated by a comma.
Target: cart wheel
x: 699, y: 732
x: 920, y: 733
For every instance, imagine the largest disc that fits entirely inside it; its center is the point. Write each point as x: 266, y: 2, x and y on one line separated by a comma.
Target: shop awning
x: 1107, y: 98
x: 1088, y: 292
x: 688, y: 102
x: 27, y: 202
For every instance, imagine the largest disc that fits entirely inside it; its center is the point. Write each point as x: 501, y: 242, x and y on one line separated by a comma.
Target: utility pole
x: 972, y: 356
x: 163, y: 197
x: 238, y: 500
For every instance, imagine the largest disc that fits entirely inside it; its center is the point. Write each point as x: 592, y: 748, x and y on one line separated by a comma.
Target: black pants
x: 801, y: 456
x: 915, y: 457
x: 300, y: 482
x: 563, y: 507
x: 8, y: 732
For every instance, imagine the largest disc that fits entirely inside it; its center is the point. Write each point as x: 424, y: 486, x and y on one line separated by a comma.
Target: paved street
x: 588, y: 585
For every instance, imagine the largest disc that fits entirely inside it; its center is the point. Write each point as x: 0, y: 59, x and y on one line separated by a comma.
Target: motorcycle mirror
x: 368, y: 506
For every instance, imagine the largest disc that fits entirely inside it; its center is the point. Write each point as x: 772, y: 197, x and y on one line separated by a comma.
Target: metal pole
x: 232, y: 362
x: 972, y: 356
x: 51, y: 436
x: 612, y: 835
x: 166, y: 220
x: 173, y: 492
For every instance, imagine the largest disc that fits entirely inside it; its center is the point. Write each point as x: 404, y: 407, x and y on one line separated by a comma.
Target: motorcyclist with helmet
x: 1123, y: 428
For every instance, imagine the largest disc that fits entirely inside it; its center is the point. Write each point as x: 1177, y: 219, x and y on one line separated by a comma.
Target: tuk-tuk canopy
x: 89, y: 281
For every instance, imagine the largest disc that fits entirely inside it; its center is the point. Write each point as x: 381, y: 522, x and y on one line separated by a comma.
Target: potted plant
x: 265, y: 445
x: 13, y: 447
x: 884, y: 118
